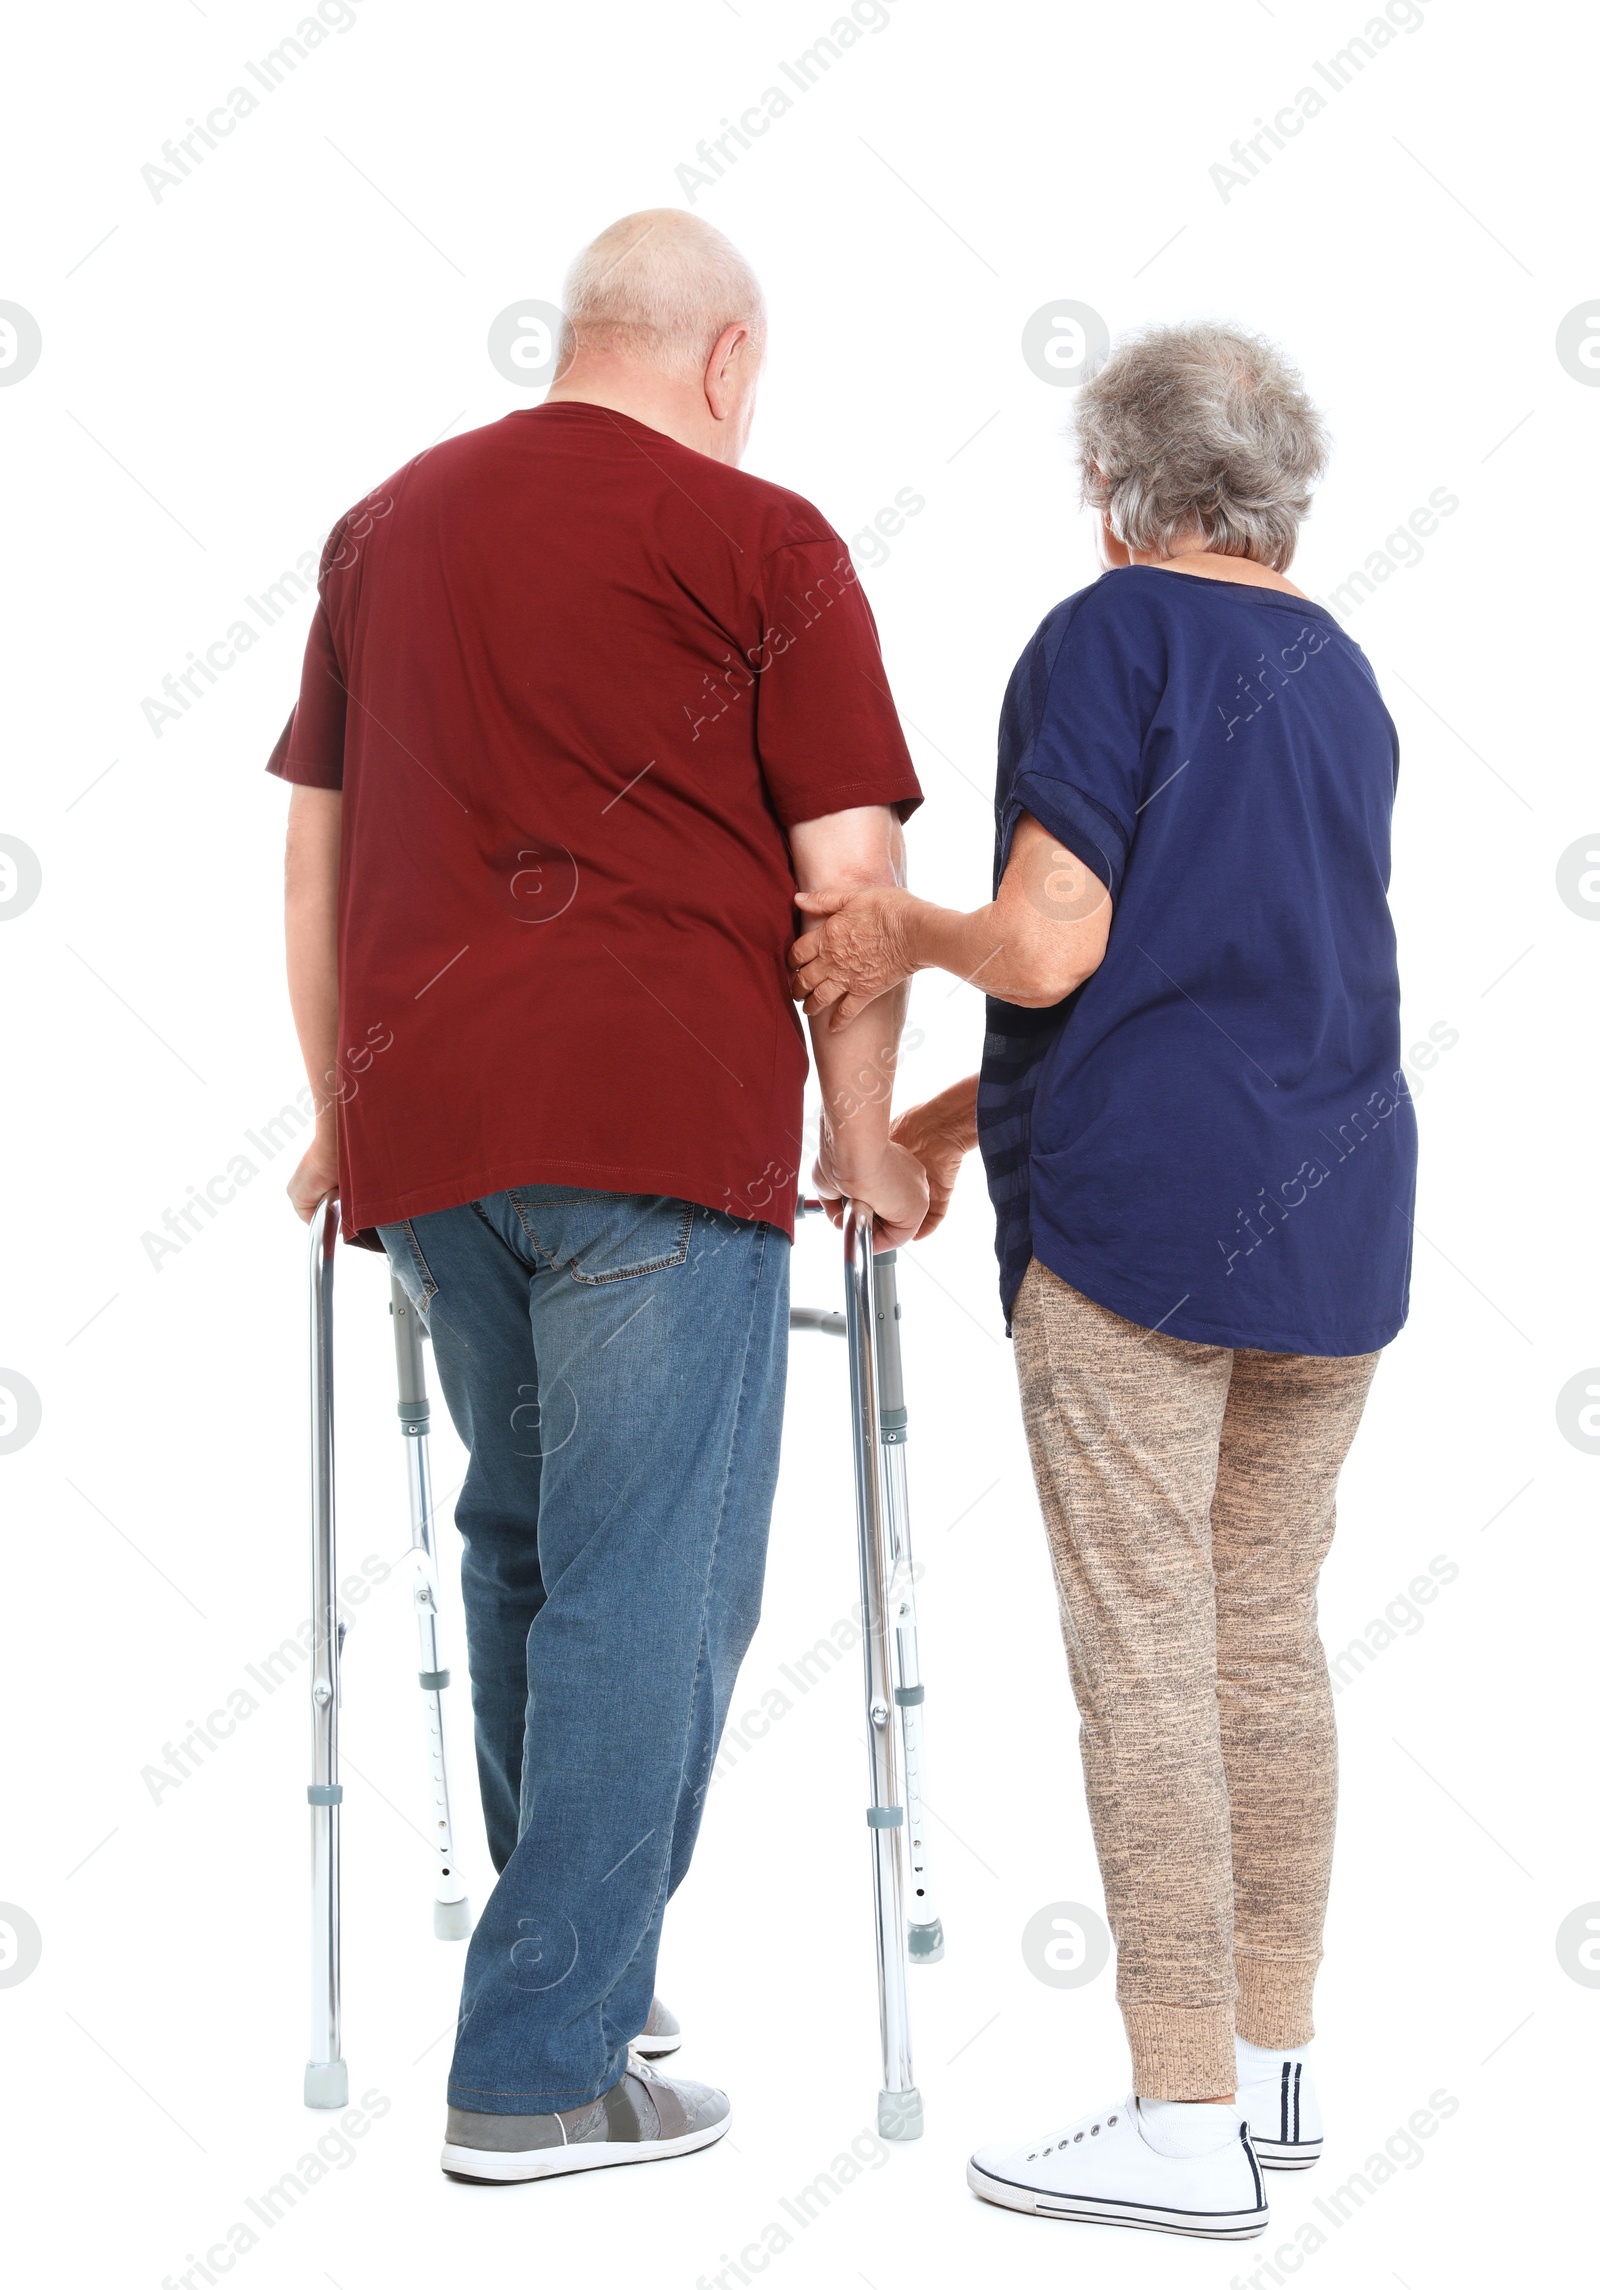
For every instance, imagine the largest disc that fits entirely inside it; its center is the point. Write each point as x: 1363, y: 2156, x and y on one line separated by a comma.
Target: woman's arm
x: 1041, y: 937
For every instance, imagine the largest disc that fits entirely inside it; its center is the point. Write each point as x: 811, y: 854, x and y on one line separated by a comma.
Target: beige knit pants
x: 1188, y: 1495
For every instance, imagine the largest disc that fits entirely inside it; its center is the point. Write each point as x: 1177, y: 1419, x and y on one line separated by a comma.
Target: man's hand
x: 861, y: 950
x: 317, y: 1174
x: 895, y: 1190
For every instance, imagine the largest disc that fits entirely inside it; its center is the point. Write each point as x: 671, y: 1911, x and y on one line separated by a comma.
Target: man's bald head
x: 661, y: 286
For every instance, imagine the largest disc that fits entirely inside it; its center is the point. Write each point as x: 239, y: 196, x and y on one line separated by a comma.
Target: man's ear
x: 728, y: 368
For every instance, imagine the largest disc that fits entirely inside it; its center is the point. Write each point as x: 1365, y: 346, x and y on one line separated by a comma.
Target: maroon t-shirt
x: 575, y: 681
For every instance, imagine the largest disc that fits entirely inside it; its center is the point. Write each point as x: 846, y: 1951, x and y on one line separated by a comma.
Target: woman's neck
x: 1210, y: 565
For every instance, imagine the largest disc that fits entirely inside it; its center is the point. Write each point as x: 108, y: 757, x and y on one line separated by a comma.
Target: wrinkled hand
x: 317, y: 1174
x: 940, y: 1156
x: 859, y: 950
x: 895, y: 1190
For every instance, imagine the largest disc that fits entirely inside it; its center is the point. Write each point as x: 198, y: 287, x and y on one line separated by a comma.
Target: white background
x: 225, y: 372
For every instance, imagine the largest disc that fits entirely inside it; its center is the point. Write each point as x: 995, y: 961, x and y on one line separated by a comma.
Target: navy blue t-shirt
x: 1213, y: 1136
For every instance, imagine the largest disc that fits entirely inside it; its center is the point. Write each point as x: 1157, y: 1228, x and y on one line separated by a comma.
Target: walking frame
x: 906, y: 1927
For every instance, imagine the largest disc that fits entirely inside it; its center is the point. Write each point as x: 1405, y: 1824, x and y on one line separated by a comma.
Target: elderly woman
x: 1201, y: 1155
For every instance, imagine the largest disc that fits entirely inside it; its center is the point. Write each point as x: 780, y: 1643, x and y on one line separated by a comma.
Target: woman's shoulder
x: 1112, y: 616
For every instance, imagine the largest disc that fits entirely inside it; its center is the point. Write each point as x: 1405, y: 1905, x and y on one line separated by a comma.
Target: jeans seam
x: 430, y: 1286
x: 758, y: 1263
x: 514, y: 1196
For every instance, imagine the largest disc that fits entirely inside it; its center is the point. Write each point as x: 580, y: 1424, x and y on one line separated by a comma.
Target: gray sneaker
x: 641, y: 2119
x: 661, y: 2033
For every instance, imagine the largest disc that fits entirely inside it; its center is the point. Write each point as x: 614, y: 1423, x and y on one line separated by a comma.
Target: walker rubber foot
x: 327, y: 2083
x: 900, y: 2114
x: 925, y: 1942
x: 452, y: 1919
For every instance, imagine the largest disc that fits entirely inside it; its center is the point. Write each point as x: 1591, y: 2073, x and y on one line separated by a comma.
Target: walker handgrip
x: 891, y: 1382
x: 413, y: 1381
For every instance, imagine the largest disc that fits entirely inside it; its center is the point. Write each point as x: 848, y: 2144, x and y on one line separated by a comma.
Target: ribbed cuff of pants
x: 1181, y: 2051
x: 1275, y: 1999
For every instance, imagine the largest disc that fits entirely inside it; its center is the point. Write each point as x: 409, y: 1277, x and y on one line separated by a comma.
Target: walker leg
x: 327, y: 2081
x: 924, y: 1931
x: 452, y: 1913
x: 899, y: 2102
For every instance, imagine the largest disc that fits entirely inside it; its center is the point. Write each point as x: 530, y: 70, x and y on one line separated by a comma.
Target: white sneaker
x: 1284, y: 2117
x: 1104, y: 2168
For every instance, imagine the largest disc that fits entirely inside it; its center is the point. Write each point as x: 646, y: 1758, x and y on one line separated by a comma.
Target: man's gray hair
x: 1201, y: 428
x: 660, y: 285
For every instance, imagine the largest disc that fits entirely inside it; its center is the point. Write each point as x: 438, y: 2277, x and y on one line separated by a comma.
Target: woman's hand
x: 861, y: 949
x: 940, y: 1142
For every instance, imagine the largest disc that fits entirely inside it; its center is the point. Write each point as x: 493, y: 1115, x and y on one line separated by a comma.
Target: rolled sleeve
x: 1082, y: 773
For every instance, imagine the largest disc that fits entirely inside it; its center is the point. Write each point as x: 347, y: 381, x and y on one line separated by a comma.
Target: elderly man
x: 582, y: 706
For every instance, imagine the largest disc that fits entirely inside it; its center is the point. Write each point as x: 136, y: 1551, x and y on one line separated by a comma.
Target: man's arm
x: 311, y: 937
x: 856, y: 851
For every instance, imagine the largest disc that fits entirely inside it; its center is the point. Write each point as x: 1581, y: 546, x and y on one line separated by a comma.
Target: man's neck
x: 676, y: 408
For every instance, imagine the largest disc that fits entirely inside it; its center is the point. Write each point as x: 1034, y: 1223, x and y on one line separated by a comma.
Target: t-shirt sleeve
x: 1082, y: 772
x: 826, y: 728
x: 310, y: 749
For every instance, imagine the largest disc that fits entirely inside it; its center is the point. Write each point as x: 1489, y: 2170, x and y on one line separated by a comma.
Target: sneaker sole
x: 1286, y: 2155
x: 656, y: 2047
x: 485, y: 2168
x: 1210, y: 2226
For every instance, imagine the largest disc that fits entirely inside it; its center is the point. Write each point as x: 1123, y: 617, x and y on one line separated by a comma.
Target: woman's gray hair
x: 1201, y: 428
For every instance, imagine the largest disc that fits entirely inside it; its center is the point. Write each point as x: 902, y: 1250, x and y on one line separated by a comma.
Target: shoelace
x: 1072, y: 2138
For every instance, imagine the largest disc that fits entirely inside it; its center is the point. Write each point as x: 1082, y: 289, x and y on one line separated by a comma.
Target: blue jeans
x: 615, y: 1365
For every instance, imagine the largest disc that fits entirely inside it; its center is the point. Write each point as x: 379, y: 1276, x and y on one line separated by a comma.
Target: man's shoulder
x: 354, y: 526
x: 777, y: 517
x: 753, y: 509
